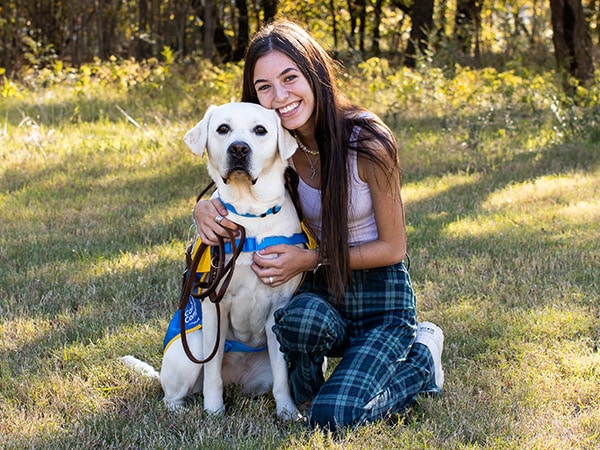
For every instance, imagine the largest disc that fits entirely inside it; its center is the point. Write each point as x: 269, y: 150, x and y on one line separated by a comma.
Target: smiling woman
x: 356, y: 292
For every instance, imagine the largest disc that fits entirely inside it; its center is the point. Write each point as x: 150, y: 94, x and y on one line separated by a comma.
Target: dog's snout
x: 239, y: 150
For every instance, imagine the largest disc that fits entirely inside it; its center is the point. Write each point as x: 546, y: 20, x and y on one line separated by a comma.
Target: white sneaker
x: 432, y: 336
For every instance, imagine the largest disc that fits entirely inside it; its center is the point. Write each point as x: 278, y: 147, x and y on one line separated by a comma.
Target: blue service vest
x: 193, y: 309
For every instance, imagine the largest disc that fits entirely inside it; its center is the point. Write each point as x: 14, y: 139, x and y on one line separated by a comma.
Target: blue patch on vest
x: 193, y: 322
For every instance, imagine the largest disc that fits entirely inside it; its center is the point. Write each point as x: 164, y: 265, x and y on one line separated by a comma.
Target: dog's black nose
x: 239, y: 150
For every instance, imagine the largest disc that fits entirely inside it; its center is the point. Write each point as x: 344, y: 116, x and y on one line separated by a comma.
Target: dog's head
x: 245, y: 143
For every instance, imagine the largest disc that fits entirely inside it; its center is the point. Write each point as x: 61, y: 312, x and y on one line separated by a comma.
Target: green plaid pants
x: 381, y: 372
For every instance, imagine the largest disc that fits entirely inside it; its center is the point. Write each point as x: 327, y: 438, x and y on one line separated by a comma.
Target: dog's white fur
x: 253, y: 182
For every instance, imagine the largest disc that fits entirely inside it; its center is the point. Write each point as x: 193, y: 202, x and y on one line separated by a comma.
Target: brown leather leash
x: 214, y: 287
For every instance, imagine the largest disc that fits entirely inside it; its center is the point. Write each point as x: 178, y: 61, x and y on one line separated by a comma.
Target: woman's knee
x: 309, y: 325
x: 333, y: 412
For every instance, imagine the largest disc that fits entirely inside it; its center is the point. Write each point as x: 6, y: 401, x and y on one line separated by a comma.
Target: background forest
x: 36, y: 33
x: 496, y: 109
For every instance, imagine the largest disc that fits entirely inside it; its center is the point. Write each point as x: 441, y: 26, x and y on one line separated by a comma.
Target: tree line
x: 37, y: 32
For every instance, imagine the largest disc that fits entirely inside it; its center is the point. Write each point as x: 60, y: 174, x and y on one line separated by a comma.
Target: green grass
x: 501, y: 179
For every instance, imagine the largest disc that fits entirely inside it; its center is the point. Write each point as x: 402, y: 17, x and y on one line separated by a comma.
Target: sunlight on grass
x: 21, y: 332
x: 554, y: 322
x: 45, y: 401
x: 435, y: 186
x: 128, y: 261
x: 554, y: 190
x: 538, y: 373
x: 554, y: 204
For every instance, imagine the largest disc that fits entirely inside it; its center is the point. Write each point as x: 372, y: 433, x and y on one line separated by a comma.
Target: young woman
x: 357, y: 301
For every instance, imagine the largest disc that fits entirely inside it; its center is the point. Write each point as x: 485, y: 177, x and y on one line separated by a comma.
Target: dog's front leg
x: 286, y: 409
x: 213, y: 380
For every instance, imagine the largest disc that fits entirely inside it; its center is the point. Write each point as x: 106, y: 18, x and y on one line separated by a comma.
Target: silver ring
x: 219, y: 218
x: 271, y: 280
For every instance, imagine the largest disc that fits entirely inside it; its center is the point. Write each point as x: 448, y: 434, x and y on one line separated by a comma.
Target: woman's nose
x: 281, y: 93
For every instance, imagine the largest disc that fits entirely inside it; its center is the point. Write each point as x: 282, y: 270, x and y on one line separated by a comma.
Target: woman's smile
x: 289, y: 108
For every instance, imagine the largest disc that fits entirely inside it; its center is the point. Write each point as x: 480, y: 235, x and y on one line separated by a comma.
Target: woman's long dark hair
x: 335, y: 118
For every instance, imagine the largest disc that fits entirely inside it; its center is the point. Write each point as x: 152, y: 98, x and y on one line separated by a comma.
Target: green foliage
x: 168, y: 55
x: 501, y: 185
x: 9, y: 88
x: 38, y: 55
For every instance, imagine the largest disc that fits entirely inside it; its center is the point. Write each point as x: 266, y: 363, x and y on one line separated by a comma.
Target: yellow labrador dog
x: 248, y: 152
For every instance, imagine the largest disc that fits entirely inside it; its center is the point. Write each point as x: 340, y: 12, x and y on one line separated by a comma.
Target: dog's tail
x: 140, y: 366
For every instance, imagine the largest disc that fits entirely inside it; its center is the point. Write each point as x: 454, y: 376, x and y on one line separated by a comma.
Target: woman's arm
x: 390, y: 246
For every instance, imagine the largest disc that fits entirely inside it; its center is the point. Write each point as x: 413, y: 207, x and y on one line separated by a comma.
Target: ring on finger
x: 219, y: 218
x: 271, y: 280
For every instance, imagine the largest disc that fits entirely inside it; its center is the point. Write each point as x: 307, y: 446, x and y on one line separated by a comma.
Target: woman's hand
x: 211, y: 221
x: 278, y: 264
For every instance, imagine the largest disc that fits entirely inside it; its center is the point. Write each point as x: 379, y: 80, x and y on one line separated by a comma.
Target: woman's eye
x: 291, y: 78
x: 223, y: 129
x: 264, y: 87
x: 260, y: 130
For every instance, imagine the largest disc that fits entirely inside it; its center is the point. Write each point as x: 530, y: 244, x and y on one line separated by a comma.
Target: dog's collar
x: 274, y: 210
x: 251, y: 244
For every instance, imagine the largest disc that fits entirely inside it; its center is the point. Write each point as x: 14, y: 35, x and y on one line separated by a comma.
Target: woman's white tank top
x: 362, y: 227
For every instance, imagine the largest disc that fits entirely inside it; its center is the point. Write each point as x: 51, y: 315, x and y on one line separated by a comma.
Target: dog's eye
x: 260, y: 130
x: 223, y: 129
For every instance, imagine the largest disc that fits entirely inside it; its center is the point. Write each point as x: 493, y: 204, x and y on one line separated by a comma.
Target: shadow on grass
x: 486, y: 142
x: 137, y: 418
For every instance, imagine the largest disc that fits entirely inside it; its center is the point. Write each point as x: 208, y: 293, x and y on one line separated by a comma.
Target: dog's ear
x: 197, y: 137
x: 286, y: 142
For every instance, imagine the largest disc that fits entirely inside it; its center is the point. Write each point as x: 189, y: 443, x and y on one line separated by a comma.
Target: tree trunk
x: 572, y: 41
x: 140, y: 42
x: 270, y: 10
x: 422, y: 21
x: 210, y: 26
x: 363, y: 21
x: 99, y: 30
x: 467, y: 24
x: 333, y: 23
x: 243, y: 30
x: 441, y: 31
x: 9, y: 42
x: 376, y: 31
x: 181, y: 17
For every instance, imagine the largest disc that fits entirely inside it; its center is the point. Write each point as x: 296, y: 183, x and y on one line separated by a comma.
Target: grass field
x: 501, y: 179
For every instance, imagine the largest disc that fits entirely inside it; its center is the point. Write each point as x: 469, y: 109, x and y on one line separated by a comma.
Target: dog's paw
x: 289, y: 414
x: 176, y: 407
x: 215, y: 412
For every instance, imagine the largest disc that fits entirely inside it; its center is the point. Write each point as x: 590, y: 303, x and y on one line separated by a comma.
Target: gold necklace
x: 303, y: 147
x: 313, y: 166
x: 307, y: 151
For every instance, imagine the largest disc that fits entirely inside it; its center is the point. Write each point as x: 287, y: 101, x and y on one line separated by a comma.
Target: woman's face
x: 281, y: 85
